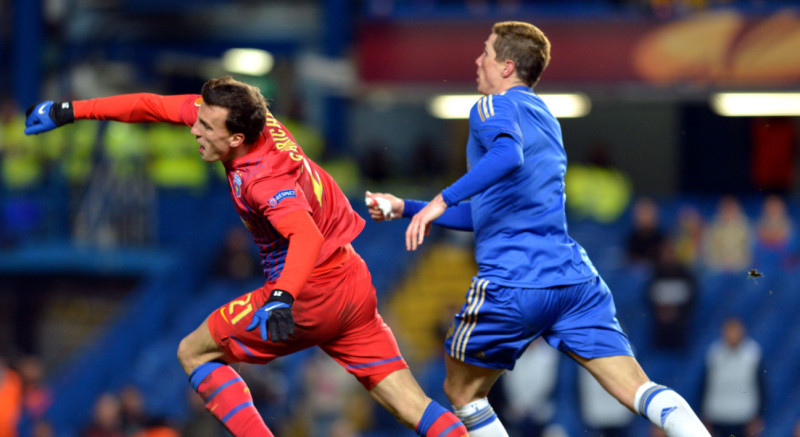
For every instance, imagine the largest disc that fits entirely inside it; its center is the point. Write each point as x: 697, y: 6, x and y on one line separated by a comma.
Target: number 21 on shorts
x: 237, y: 309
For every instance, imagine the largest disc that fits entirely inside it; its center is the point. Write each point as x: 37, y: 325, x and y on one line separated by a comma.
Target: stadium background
x: 111, y: 234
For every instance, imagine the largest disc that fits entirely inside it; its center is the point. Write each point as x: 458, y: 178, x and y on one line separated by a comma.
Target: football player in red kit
x: 318, y: 290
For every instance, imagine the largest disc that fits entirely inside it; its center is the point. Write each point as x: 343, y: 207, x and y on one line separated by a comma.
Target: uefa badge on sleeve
x: 280, y: 195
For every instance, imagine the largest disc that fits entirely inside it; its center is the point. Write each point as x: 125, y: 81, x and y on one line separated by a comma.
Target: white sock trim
x: 471, y: 408
x: 480, y: 420
x: 643, y: 393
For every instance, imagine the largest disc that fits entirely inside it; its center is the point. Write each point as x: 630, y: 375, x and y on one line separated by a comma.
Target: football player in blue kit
x: 533, y: 279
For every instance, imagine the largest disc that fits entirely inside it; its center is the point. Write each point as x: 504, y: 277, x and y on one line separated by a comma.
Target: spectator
x: 133, y: 418
x: 597, y: 190
x: 106, y: 418
x: 602, y: 415
x: 529, y: 404
x: 10, y: 400
x: 728, y: 239
x: 733, y: 397
x: 671, y: 295
x: 36, y: 395
x: 774, y: 232
x: 645, y: 238
x: 688, y: 236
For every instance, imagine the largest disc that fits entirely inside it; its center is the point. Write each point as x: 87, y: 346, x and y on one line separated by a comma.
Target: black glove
x: 48, y: 115
x: 275, y: 316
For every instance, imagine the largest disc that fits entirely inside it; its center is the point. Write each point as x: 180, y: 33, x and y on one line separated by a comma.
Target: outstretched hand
x: 420, y: 226
x: 48, y: 115
x: 383, y: 206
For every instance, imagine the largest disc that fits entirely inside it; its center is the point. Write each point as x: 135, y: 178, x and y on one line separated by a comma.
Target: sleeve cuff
x: 411, y: 207
x: 449, y: 198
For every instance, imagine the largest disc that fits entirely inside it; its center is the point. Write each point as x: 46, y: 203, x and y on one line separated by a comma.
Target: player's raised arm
x: 127, y: 108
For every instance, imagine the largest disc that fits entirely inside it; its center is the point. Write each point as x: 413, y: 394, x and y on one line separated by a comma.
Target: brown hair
x: 247, y: 108
x: 525, y: 45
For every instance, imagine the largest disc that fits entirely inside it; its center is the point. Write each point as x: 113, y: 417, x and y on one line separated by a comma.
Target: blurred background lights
x: 561, y: 105
x: 756, y: 104
x: 253, y: 62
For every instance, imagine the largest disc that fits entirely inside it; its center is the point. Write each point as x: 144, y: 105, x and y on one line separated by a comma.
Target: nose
x: 194, y: 130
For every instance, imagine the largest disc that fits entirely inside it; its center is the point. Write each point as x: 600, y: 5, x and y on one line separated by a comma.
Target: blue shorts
x: 497, y: 323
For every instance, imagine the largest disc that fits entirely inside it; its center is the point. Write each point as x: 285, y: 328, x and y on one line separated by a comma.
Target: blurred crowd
x: 329, y: 402
x: 660, y: 9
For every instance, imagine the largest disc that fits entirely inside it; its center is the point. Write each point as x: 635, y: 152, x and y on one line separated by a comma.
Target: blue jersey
x: 519, y: 221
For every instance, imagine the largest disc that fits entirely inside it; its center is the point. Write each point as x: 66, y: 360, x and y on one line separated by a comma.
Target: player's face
x: 489, y: 70
x: 214, y: 138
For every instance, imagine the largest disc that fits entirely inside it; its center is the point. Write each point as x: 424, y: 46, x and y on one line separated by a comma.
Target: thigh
x: 587, y: 325
x: 497, y: 323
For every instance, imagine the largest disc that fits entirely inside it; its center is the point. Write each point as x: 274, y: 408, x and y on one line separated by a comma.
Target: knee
x: 455, y: 393
x: 186, y: 356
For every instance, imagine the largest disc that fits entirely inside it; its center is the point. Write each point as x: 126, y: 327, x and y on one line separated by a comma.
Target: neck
x: 239, y: 151
x: 517, y: 83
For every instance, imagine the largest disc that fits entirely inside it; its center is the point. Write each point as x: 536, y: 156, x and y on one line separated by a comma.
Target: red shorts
x: 336, y: 311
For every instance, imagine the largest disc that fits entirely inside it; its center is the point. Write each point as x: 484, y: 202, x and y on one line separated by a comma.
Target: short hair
x: 247, y: 108
x: 525, y: 45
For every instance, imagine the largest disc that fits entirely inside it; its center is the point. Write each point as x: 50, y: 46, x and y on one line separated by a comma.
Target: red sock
x: 228, y: 399
x: 436, y: 421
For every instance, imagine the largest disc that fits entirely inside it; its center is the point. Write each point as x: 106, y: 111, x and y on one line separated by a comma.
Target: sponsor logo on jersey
x: 198, y: 102
x: 276, y: 199
x: 237, y: 184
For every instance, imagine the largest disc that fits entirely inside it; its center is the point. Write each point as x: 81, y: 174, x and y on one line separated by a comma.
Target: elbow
x: 517, y: 162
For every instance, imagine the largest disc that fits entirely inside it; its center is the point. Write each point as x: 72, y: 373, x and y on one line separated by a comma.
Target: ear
x: 236, y: 140
x: 509, y: 68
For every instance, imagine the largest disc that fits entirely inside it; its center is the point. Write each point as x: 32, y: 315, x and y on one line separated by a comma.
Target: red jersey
x: 272, y: 180
x: 275, y: 178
